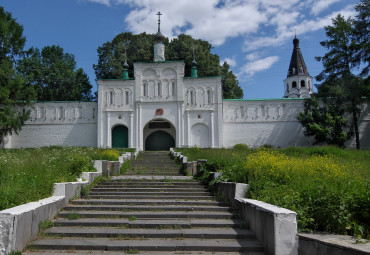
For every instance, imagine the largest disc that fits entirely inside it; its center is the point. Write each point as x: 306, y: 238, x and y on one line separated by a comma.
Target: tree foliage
x: 15, y: 94
x: 362, y: 35
x: 139, y: 48
x: 341, y: 78
x: 325, y: 122
x: 54, y: 75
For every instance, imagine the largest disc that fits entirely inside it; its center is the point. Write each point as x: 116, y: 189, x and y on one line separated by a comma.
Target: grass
x: 28, y: 175
x: 328, y: 187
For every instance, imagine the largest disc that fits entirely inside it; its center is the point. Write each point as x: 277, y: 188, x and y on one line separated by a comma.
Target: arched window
x: 191, y: 97
x: 294, y: 84
x: 127, y: 98
x: 301, y: 70
x: 145, y: 92
x: 173, y: 88
x: 303, y: 84
x: 159, y: 89
x: 209, y: 96
x: 111, y: 99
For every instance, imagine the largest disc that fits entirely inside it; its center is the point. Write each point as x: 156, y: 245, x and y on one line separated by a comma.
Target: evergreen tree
x: 139, y: 48
x: 54, y: 75
x: 338, y: 79
x: 15, y: 94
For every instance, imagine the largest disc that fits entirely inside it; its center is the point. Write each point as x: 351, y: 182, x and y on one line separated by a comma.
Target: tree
x: 139, y: 48
x: 15, y: 94
x: 324, y: 121
x: 54, y: 75
x: 230, y: 85
x: 338, y: 79
x: 362, y: 35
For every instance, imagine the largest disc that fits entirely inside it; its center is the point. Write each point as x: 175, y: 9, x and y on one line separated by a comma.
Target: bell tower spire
x: 159, y: 46
x: 298, y: 82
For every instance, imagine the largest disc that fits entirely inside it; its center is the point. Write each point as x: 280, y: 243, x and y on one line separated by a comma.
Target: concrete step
x: 148, y: 215
x: 149, y: 180
x: 153, y: 209
x: 151, y: 185
x: 130, y: 234
x: 147, y: 208
x: 163, y: 196
x: 154, y: 202
x: 147, y: 189
x: 74, y: 252
x: 151, y: 223
x: 107, y: 244
x: 151, y: 194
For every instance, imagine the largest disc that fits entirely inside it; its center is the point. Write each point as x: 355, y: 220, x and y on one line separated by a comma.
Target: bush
x: 328, y: 187
x: 240, y: 147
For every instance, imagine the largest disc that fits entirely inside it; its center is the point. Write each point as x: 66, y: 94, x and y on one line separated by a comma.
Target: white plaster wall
x: 63, y: 135
x: 58, y: 123
x: 274, y: 122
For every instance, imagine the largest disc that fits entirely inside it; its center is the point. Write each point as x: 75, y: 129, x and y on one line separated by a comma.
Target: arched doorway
x: 159, y: 141
x: 200, y: 135
x: 120, y: 137
x: 159, y: 134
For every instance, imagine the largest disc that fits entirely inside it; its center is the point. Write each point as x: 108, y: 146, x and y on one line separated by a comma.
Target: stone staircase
x: 157, y: 212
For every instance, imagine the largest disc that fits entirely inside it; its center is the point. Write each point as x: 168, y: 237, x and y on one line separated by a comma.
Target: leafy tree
x: 54, y: 75
x: 112, y: 54
x: 15, y: 94
x: 139, y: 48
x: 182, y: 48
x: 325, y: 122
x: 230, y: 85
x: 340, y: 63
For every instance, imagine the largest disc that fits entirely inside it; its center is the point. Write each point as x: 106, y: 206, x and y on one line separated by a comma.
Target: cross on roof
x: 159, y: 18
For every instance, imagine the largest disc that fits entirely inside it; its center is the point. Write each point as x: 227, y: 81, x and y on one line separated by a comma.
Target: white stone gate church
x: 161, y: 108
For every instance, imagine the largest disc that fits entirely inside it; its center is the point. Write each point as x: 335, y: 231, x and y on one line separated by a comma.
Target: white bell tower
x: 298, y: 82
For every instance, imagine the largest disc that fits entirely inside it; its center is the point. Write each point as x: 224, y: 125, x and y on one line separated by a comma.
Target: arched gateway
x: 159, y: 135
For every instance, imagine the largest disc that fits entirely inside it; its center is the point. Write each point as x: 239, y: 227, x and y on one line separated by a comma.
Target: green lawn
x: 328, y: 187
x: 28, y: 175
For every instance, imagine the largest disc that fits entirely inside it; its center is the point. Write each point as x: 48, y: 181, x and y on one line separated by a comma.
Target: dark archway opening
x: 159, y: 141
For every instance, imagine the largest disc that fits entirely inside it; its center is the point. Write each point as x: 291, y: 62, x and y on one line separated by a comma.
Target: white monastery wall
x: 258, y: 122
x: 274, y: 122
x: 58, y: 123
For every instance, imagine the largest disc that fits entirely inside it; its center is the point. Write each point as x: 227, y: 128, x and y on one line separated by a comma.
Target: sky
x: 253, y: 36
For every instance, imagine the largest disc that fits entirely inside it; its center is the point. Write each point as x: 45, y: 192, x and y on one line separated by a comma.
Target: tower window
x: 303, y: 84
x: 191, y: 97
x: 159, y: 89
x: 173, y: 88
x: 209, y: 96
x: 145, y: 92
x: 111, y: 97
x: 301, y: 70
x: 294, y: 84
x: 127, y: 97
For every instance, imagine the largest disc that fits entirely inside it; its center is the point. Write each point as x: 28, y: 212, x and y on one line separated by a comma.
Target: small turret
x: 125, y: 68
x: 159, y: 46
x: 194, y: 70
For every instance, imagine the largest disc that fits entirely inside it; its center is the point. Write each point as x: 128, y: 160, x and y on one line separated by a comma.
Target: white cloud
x: 287, y: 32
x: 258, y: 65
x: 105, y: 2
x: 230, y: 61
x: 321, y: 5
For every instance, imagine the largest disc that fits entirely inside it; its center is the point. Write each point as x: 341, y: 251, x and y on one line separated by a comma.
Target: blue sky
x: 253, y: 36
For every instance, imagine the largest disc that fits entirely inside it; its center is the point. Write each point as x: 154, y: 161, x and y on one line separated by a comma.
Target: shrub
x: 240, y: 146
x: 328, y: 187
